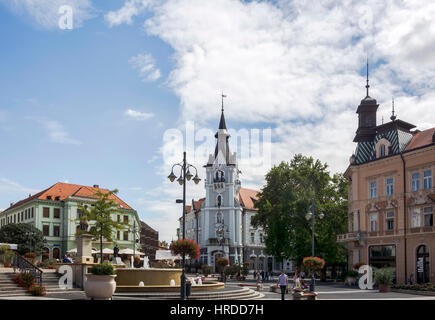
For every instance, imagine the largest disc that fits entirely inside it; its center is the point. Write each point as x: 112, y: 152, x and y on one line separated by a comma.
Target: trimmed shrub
x: 102, y: 269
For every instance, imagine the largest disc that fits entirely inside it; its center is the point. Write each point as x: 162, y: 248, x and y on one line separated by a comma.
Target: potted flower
x: 100, y: 283
x: 384, y: 278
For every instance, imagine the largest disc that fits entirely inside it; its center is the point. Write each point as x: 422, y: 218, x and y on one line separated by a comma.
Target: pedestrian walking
x: 283, y: 283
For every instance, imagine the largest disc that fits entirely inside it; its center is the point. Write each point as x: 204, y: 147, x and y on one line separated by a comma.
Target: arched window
x: 219, y: 200
x: 219, y: 217
x: 383, y: 148
x: 56, y: 253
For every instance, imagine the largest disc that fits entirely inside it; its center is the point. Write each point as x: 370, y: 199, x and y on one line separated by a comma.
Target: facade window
x: 389, y: 186
x: 25, y: 214
x: 46, y: 230
x: 252, y: 237
x: 415, y: 219
x: 389, y: 219
x: 374, y: 222
x: 118, y: 235
x: 427, y: 179
x: 15, y: 218
x: 46, y: 212
x: 219, y: 217
x: 22, y: 216
x: 415, y: 182
x: 119, y: 218
x: 373, y: 190
x: 32, y: 213
x: 126, y: 219
x: 428, y: 216
x: 56, y: 231
x: 383, y: 150
x: 261, y: 238
x: 56, y: 213
x: 125, y: 235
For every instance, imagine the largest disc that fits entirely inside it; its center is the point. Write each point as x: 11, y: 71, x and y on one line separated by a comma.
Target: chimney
x: 96, y: 186
x: 12, y: 204
x: 433, y: 137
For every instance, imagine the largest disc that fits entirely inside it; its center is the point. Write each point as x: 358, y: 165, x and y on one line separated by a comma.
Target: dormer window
x: 383, y: 148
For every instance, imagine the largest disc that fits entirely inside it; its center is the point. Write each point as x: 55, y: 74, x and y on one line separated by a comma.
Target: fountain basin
x: 156, y: 280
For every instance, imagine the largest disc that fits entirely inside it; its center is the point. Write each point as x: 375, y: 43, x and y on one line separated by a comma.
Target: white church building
x: 221, y: 222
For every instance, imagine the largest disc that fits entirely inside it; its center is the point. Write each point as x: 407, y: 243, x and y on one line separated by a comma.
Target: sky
x: 111, y: 92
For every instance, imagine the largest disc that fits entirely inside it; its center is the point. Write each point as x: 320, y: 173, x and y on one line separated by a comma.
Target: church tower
x: 222, y: 222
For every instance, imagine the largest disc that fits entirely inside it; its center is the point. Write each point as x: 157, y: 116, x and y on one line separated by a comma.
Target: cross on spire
x: 223, y: 96
x: 393, y: 116
x: 367, y: 85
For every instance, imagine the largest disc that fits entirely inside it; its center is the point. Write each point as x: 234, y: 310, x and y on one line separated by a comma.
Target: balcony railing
x: 351, y: 236
x: 217, y: 242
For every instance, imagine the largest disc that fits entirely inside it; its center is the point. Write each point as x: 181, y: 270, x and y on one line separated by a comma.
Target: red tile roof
x: 247, y: 197
x: 61, y: 191
x: 421, y: 139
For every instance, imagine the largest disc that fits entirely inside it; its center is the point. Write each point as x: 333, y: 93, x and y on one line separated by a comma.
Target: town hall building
x: 221, y: 222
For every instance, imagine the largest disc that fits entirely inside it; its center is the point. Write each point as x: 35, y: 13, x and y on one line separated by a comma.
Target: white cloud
x: 13, y: 187
x: 45, y: 13
x: 125, y: 14
x: 57, y: 132
x: 295, y: 65
x: 137, y: 115
x: 145, y: 65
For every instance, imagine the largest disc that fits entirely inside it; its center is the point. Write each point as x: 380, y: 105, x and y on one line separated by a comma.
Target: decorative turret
x: 366, y: 116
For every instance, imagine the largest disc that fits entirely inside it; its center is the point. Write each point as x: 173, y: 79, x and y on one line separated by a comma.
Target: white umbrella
x: 130, y: 251
x: 75, y: 251
x: 106, y: 251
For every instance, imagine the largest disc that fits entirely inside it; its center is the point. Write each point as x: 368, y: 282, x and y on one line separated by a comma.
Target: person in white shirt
x: 283, y: 283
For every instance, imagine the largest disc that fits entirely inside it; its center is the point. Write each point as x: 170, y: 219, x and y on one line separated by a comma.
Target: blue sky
x: 98, y: 104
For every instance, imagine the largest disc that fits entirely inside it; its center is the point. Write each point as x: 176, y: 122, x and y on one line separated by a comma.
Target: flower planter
x: 350, y: 281
x: 384, y: 288
x: 101, y: 287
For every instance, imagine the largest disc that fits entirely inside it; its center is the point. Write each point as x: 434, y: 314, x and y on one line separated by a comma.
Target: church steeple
x: 222, y: 124
x: 366, y: 116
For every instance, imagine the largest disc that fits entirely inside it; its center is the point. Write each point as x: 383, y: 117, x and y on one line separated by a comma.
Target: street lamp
x: 184, y: 174
x: 134, y: 230
x: 30, y: 234
x: 308, y: 216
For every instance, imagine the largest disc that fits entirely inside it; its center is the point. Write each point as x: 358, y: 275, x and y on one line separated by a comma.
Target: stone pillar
x: 84, y: 249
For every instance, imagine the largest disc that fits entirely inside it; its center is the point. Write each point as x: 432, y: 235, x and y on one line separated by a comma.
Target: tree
x: 18, y: 233
x: 285, y: 200
x: 100, y: 212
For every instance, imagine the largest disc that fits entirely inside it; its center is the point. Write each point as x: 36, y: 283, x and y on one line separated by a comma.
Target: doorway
x: 422, y: 264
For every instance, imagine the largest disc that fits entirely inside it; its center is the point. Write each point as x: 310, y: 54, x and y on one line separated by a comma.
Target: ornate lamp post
x: 310, y: 215
x: 30, y: 234
x: 184, y: 174
x: 134, y: 230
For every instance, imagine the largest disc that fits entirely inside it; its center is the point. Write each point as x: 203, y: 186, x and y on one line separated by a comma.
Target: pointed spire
x: 222, y: 124
x: 367, y: 85
x: 393, y: 116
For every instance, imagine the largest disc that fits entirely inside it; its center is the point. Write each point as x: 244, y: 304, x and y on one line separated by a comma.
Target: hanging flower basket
x: 222, y: 262
x: 187, y: 247
x: 315, y: 263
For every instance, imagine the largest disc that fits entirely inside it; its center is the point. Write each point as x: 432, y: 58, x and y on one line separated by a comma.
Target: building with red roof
x: 221, y: 221
x: 55, y: 211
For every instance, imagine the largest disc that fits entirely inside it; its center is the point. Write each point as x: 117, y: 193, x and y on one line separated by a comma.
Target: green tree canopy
x: 100, y: 213
x: 284, y: 202
x: 18, y: 233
